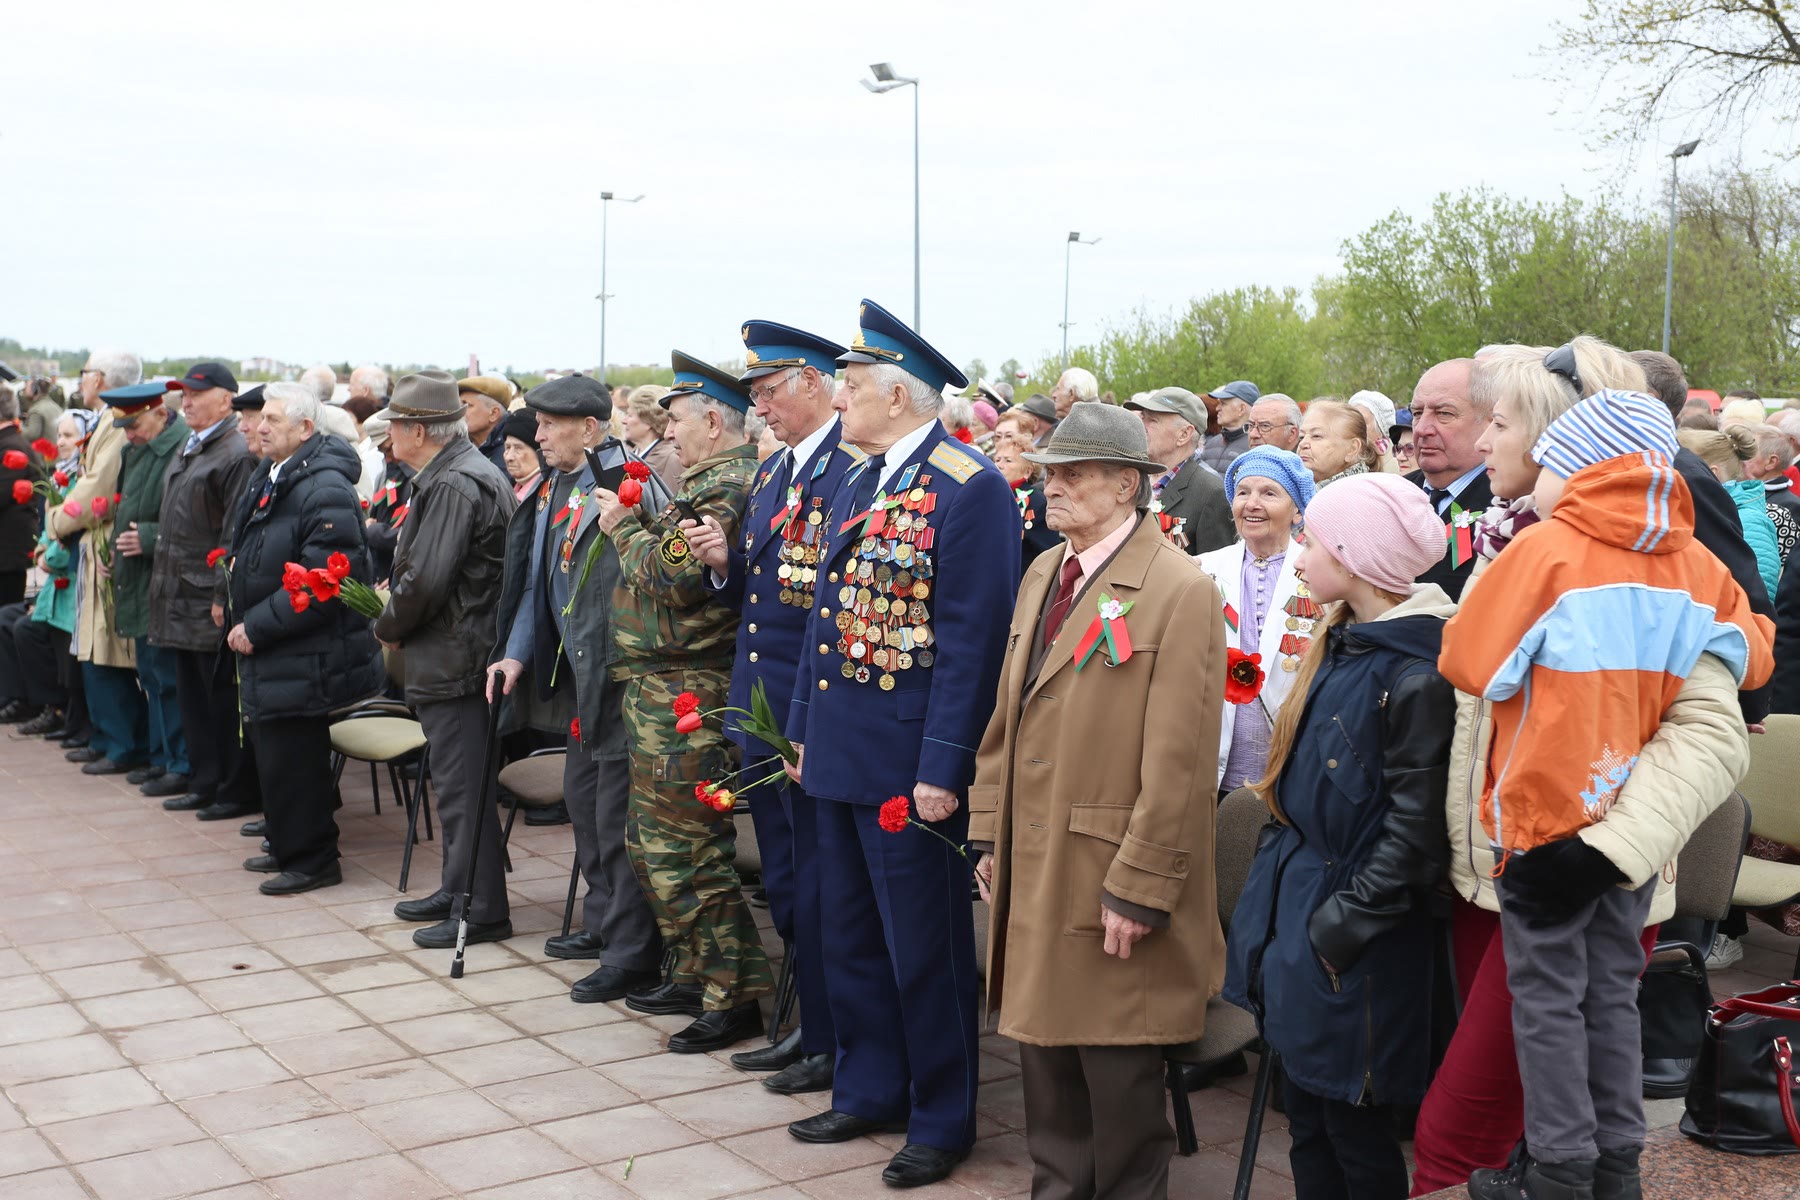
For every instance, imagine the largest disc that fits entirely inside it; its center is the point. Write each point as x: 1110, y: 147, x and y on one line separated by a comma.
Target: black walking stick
x: 461, y: 901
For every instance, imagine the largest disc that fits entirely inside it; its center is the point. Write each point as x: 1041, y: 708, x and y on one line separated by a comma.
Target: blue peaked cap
x: 771, y: 347
x: 692, y: 375
x: 882, y: 338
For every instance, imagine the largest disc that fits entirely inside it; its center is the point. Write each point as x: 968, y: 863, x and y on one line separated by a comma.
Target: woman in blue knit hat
x: 1267, y: 610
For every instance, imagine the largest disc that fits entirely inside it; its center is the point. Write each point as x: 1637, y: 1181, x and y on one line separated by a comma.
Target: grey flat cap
x: 1040, y: 406
x: 1099, y: 433
x: 571, y: 396
x: 1179, y: 401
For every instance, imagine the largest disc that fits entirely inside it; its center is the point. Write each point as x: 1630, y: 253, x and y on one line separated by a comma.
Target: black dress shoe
x: 104, y: 766
x: 15, y: 711
x: 42, y: 724
x: 1667, y: 1078
x: 69, y: 741
x: 442, y: 936
x: 580, y: 944
x: 435, y: 907
x: 227, y: 810
x: 289, y: 883
x: 1200, y: 1076
x: 833, y: 1126
x: 84, y: 753
x: 186, y: 802
x: 265, y: 847
x: 811, y: 1074
x: 555, y: 814
x: 918, y: 1166
x: 263, y: 863
x: 610, y: 983
x: 719, y: 1029
x: 782, y: 1054
x: 167, y: 785
x: 667, y: 999
x: 143, y: 775
x: 259, y: 828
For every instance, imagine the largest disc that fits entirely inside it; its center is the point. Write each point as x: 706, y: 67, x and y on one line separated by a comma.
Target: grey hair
x: 959, y: 412
x: 9, y: 405
x: 729, y: 417
x: 298, y: 402
x: 926, y: 400
x: 1081, y: 381
x: 440, y: 433
x: 118, y: 368
x: 1145, y: 492
x: 320, y: 380
x: 753, y: 427
x: 1290, y: 407
x: 827, y: 380
x: 377, y: 377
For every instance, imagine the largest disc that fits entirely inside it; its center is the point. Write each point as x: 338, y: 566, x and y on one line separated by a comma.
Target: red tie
x: 1065, y: 599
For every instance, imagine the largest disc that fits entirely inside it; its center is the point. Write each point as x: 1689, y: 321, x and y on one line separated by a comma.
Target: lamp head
x: 882, y: 71
x: 1685, y: 149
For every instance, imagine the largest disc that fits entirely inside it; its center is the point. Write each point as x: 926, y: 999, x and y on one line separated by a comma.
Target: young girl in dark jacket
x: 1330, y: 946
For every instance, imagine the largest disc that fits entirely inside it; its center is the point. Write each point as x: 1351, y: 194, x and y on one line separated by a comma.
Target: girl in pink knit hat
x: 1331, y: 943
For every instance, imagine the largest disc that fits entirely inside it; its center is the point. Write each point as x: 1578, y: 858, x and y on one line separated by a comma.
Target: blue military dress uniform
x: 772, y: 579
x: 900, y: 664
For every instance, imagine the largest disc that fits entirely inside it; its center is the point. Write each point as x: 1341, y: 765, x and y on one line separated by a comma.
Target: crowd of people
x: 944, y: 645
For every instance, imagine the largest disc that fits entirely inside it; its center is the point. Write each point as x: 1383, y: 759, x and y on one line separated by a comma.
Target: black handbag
x: 1742, y: 1097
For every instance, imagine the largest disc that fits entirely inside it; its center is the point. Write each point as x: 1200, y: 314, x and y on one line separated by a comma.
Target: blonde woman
x: 643, y: 421
x: 1725, y: 451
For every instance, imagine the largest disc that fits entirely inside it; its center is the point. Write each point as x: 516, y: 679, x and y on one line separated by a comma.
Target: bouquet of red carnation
x: 329, y: 582
x: 758, y: 721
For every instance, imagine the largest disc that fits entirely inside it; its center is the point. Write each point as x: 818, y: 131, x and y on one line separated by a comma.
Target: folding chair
x: 1774, y: 814
x: 536, y: 781
x: 373, y: 734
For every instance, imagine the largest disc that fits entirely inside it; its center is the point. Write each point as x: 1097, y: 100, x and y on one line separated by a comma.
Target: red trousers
x: 1474, y: 1113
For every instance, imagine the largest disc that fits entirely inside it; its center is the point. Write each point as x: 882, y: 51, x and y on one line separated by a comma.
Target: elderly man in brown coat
x: 1094, y: 798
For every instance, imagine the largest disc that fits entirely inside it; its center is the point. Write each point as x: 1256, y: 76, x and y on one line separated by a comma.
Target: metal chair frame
x: 416, y: 797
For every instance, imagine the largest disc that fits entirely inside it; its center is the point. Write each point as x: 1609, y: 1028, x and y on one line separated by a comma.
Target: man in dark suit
x: 1447, y: 423
x: 1188, y: 491
x: 773, y: 577
x: 909, y: 629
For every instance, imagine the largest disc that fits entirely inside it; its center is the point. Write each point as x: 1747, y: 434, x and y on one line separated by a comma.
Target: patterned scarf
x: 1499, y: 524
x: 1347, y: 472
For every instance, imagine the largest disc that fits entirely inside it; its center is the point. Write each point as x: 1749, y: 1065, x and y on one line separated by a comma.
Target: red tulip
x: 575, y: 729
x: 323, y: 583
x: 689, y: 723
x: 61, y: 584
x: 1243, y: 676
x: 61, y: 478
x: 45, y: 448
x: 22, y: 491
x: 630, y: 492
x: 14, y: 460
x: 100, y: 507
x: 299, y: 600
x: 338, y: 564
x: 71, y: 508
x: 293, y: 577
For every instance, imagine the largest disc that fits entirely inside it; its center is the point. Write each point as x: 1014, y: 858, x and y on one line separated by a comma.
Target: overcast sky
x: 413, y: 182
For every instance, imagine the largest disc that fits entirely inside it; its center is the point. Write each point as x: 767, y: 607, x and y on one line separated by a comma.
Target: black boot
x: 1616, y: 1176
x: 1524, y: 1178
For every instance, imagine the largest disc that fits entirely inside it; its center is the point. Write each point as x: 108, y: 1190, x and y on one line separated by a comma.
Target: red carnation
x: 99, y: 507
x: 686, y: 703
x: 575, y: 729
x: 61, y: 478
x: 45, y: 448
x: 895, y: 814
x: 118, y: 496
x: 365, y: 504
x: 323, y: 583
x: 688, y: 723
x: 630, y: 492
x: 22, y: 491
x: 14, y: 460
x: 338, y: 563
x: 214, y: 555
x: 61, y: 584
x: 1243, y: 676
x: 636, y: 470
x: 300, y: 600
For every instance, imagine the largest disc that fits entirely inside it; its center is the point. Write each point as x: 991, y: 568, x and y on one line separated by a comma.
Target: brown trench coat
x: 1106, y: 779
x: 96, y: 640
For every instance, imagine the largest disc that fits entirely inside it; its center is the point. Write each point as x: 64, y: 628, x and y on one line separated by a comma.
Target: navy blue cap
x: 693, y: 376
x: 770, y: 347
x: 883, y: 338
x: 203, y: 376
x: 1403, y: 418
x: 250, y: 401
x: 1237, y: 389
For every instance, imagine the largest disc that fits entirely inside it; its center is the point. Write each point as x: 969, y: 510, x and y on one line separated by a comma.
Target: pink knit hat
x: 1381, y: 527
x: 984, y: 412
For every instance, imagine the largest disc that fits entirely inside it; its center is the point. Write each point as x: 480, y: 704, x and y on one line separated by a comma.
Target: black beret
x: 252, y: 399
x: 520, y: 423
x: 572, y: 396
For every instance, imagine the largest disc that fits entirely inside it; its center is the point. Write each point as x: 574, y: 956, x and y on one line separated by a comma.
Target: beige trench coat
x: 1105, y: 780
x: 95, y: 640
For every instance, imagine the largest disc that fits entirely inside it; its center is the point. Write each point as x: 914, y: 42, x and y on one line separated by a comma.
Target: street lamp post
x: 1675, y: 156
x: 606, y: 199
x: 886, y: 81
x: 1068, y: 249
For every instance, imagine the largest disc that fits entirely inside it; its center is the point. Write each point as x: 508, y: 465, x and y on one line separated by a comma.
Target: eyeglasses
x: 1561, y: 361
x: 1268, y: 426
x: 763, y: 392
x: 1406, y: 451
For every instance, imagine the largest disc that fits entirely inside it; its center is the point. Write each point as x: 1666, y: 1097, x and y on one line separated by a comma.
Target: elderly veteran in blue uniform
x: 773, y: 575
x: 898, y: 670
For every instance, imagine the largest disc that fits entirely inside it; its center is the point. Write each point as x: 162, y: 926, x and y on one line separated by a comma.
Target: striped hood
x: 1636, y: 502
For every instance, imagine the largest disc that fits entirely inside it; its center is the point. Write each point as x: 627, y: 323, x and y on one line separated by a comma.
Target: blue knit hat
x: 1606, y: 425
x: 1268, y: 462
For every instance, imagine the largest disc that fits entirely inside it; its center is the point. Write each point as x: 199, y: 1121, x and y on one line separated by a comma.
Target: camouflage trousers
x: 685, y: 853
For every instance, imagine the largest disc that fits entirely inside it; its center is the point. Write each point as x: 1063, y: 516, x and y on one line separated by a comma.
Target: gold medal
x: 848, y: 670
x: 787, y: 595
x: 921, y: 590
x: 814, y: 517
x: 881, y: 604
x: 859, y: 628
x: 1293, y: 623
x: 922, y: 635
x: 864, y: 595
x: 887, y: 682
x: 1290, y: 664
x: 916, y: 495
x: 844, y: 621
x: 846, y: 595
x: 903, y: 581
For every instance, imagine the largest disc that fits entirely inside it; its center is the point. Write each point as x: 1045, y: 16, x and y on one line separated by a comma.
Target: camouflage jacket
x: 664, y: 615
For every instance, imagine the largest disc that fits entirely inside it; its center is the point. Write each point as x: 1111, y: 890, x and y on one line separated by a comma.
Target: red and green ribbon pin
x: 1109, y: 630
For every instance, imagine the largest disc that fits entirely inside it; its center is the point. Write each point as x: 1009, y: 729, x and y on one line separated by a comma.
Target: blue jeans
x: 156, y: 672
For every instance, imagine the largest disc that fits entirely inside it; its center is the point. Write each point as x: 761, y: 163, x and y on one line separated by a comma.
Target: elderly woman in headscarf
x: 1268, y: 611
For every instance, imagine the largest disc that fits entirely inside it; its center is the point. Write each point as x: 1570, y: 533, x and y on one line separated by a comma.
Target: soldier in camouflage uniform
x: 671, y: 635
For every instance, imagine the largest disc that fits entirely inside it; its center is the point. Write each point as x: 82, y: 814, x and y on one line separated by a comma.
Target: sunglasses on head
x: 1561, y: 361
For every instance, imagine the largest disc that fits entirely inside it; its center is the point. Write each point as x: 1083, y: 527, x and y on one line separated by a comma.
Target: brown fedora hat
x: 426, y: 396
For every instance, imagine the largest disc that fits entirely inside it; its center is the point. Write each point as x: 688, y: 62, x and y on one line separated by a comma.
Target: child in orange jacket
x: 1581, y: 634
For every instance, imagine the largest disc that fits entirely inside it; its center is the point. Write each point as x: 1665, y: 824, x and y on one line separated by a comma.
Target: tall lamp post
x: 886, y: 81
x: 606, y: 199
x: 1068, y: 249
x: 1675, y: 156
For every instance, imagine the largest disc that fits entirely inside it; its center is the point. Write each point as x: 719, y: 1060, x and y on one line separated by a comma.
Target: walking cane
x: 461, y: 901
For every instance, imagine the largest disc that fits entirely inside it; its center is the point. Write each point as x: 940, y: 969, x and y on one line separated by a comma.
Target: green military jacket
x: 141, y: 474
x: 664, y: 616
